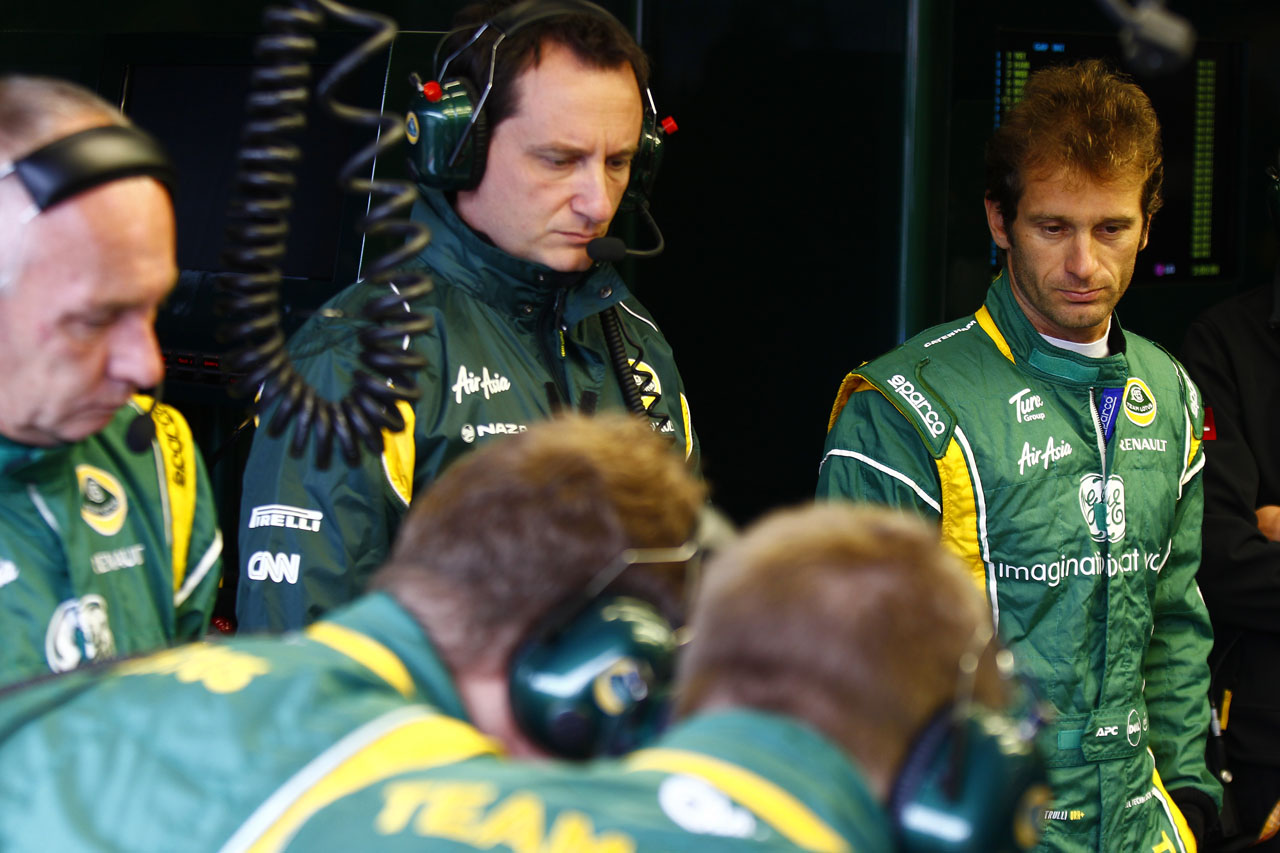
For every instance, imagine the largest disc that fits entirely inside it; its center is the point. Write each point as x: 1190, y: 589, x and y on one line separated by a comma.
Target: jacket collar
x: 793, y: 760
x: 379, y: 617
x: 1034, y: 354
x: 513, y: 285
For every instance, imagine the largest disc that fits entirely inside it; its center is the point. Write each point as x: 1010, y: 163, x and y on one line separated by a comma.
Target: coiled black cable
x: 258, y: 228
x: 627, y: 373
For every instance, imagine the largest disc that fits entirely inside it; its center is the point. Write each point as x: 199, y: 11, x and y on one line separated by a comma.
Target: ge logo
x: 1103, y: 507
x: 468, y: 433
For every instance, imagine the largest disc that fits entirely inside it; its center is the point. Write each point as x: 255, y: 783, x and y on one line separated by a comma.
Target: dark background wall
x: 821, y: 200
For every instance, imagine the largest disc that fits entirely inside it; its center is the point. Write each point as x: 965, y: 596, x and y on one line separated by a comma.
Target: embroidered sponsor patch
x: 1139, y: 404
x: 468, y: 383
x: 283, y: 515
x: 103, y: 504
x: 277, y: 567
x: 1103, y: 507
x: 1026, y: 406
x: 78, y: 631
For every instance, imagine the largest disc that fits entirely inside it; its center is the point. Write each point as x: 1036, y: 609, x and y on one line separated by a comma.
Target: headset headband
x: 79, y: 162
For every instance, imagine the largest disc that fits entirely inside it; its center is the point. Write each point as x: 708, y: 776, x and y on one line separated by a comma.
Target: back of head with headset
x: 856, y: 622
x: 549, y: 570
x: 471, y: 90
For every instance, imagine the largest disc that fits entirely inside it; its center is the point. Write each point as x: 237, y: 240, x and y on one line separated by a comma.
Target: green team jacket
x: 1085, y: 548
x: 510, y: 344
x: 239, y: 744
x: 103, y: 551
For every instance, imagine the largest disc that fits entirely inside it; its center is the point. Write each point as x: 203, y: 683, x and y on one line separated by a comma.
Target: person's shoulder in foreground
x: 781, y: 743
x: 108, y: 540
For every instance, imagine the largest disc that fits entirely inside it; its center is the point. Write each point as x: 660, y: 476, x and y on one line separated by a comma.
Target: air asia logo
x: 695, y: 806
x: 104, y: 505
x: 8, y: 572
x: 1103, y: 512
x: 1139, y: 405
x: 1026, y: 407
x: 471, y: 432
x: 489, y: 383
x: 277, y: 567
x: 918, y: 402
x: 79, y: 631
x: 121, y: 558
x: 282, y: 515
x: 1035, y: 456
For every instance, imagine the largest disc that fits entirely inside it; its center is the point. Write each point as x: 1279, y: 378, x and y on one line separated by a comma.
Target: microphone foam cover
x: 606, y: 249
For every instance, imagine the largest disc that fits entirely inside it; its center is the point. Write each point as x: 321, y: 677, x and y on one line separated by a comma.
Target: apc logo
x: 103, y: 503
x: 1103, y: 508
x: 276, y: 567
x: 1107, y: 731
x: 1139, y: 404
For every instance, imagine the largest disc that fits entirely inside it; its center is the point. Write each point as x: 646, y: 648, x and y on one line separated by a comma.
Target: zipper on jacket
x: 554, y: 365
x: 1100, y: 508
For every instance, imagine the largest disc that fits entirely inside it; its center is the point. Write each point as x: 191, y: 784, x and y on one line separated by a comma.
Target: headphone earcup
x: 597, y: 685
x: 645, y: 163
x: 435, y: 129
x: 990, y: 799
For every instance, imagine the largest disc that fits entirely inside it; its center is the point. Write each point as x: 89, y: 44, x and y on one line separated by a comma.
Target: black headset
x: 448, y: 131
x: 593, y: 676
x: 973, y: 780
x: 87, y: 159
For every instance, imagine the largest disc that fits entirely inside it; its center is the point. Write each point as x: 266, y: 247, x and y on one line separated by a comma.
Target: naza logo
x: 277, y: 567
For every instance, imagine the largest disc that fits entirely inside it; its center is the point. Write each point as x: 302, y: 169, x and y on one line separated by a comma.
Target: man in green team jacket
x: 828, y: 701
x: 1062, y: 457
x: 520, y: 312
x: 108, y: 540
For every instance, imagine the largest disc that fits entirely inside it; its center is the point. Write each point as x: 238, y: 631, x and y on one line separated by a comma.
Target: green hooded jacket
x: 513, y: 341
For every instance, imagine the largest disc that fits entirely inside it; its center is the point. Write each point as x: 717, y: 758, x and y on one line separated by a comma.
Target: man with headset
x: 523, y: 148
x: 108, y: 540
x: 525, y: 609
x: 1062, y: 457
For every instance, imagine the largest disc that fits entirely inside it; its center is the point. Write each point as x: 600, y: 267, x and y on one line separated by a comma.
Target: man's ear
x: 995, y: 222
x: 1146, y: 232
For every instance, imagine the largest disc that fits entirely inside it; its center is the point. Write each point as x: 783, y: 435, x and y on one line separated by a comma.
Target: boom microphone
x: 612, y: 249
x: 143, y: 428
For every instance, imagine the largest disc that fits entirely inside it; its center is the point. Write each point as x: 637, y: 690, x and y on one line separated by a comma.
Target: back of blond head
x: 850, y: 618
x: 523, y: 523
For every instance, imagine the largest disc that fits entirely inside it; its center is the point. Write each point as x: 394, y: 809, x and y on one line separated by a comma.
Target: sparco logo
x: 1104, y: 513
x: 1139, y: 405
x: 283, y: 515
x: 471, y: 433
x: 78, y: 623
x: 172, y: 443
x: 468, y: 383
x: 277, y: 567
x: 918, y: 402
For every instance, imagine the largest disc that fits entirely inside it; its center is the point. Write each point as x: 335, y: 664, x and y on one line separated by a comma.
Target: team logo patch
x: 647, y: 381
x: 103, y: 503
x: 1103, y: 508
x: 79, y: 631
x: 619, y: 687
x: 1139, y: 404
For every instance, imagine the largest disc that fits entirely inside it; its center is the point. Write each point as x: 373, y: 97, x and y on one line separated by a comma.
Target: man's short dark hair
x: 598, y: 41
x: 1083, y: 118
